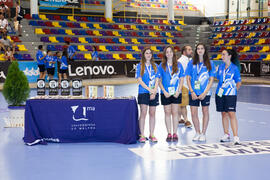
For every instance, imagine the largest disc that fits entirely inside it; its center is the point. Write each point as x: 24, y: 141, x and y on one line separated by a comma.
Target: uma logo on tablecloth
x: 82, y: 115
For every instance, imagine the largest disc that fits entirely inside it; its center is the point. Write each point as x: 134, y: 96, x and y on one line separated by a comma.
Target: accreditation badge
x: 197, y: 85
x: 171, y: 90
x: 220, y: 92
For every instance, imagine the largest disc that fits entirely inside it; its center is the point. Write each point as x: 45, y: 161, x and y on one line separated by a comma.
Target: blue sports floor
x: 109, y: 161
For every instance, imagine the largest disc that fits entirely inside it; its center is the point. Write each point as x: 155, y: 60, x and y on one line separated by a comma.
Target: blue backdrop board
x: 81, y: 120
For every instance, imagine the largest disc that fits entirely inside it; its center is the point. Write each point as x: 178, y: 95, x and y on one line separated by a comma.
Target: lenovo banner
x: 95, y: 69
x: 4, y: 70
x: 250, y: 68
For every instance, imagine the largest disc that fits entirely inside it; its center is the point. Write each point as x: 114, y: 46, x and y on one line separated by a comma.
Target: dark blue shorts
x: 171, y: 100
x: 145, y: 99
x: 50, y: 71
x: 197, y: 102
x: 226, y: 103
x: 41, y: 68
x: 63, y: 71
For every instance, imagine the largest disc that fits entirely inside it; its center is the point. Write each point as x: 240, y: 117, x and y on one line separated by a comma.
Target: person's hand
x: 152, y: 91
x: 194, y: 96
x: 166, y: 94
x: 202, y: 96
x: 176, y: 94
x: 152, y: 96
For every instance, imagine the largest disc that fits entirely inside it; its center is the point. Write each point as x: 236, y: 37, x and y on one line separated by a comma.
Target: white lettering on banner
x: 202, y: 150
x: 32, y: 72
x: 88, y: 70
x: 247, y: 68
x: 2, y: 75
x: 134, y: 68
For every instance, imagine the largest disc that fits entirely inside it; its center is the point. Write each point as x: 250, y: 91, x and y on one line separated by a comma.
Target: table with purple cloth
x: 81, y: 120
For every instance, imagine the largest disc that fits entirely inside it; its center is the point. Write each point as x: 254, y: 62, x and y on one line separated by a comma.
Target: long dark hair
x: 234, y: 57
x: 206, y: 59
x: 143, y: 60
x: 165, y: 60
x: 65, y: 53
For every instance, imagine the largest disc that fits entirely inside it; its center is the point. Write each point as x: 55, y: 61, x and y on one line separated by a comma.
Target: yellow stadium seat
x: 178, y: 28
x: 265, y: 49
x: 109, y: 20
x: 168, y: 34
x: 261, y: 41
x: 43, y: 17
x: 8, y: 37
x: 251, y: 35
x: 53, y: 39
x: 267, y: 58
x: 231, y: 42
x: 82, y: 40
x: 154, y: 48
x: 71, y: 18
x: 116, y: 56
x: 2, y: 57
x: 218, y: 57
x: 135, y: 48
x: 97, y: 26
x: 246, y: 48
x: 88, y: 56
x: 181, y: 22
x: 130, y: 56
x: 22, y: 47
x: 103, y: 48
x: 166, y: 22
x: 268, y: 29
x: 121, y: 26
x: 135, y: 41
x: 116, y: 33
x: 69, y: 32
x: 56, y: 24
x: 122, y: 40
x: 82, y: 48
x: 157, y: 28
x: 134, y: 27
x: 145, y: 21
x: 220, y: 42
x: 170, y: 41
x: 84, y: 26
x: 39, y: 31
x: 152, y: 34
x: 97, y: 33
x: 229, y: 47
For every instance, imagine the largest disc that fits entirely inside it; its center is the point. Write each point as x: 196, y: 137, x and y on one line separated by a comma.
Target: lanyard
x: 170, y: 72
x: 199, y: 69
x: 149, y: 71
x: 225, y: 72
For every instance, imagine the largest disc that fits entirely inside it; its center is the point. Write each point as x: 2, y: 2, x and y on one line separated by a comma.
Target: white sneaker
x: 202, y: 138
x: 236, y: 140
x: 225, y: 138
x: 196, y: 137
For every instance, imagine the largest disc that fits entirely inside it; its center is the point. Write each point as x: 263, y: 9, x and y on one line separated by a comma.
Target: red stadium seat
x: 243, y: 57
x: 49, y: 24
x: 123, y: 56
x: 67, y: 39
x: 71, y: 25
x: 109, y: 40
x: 96, y: 40
x: 90, y: 33
x: 47, y: 31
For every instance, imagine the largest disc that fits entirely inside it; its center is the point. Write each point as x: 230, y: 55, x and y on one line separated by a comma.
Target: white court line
x: 174, y: 152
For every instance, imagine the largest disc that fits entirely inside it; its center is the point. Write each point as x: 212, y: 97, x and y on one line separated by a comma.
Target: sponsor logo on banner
x: 203, y: 150
x: 95, y: 69
x: 83, y: 115
x: 265, y: 71
x: 56, y: 4
x: 250, y: 68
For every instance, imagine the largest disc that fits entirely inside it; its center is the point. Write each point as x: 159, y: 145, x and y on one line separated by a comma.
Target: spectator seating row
x: 102, y: 19
x: 104, y: 26
x: 240, y: 35
x: 73, y: 32
x: 53, y: 39
x: 263, y: 57
x: 264, y: 20
x: 260, y: 49
x: 261, y: 41
x: 242, y: 28
x: 102, y: 48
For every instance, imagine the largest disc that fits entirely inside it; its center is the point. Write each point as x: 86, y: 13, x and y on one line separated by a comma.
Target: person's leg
x: 225, y: 122
x: 234, y: 123
x: 205, y: 111
x: 152, y: 119
x: 65, y: 75
x: 179, y: 114
x: 184, y: 113
x: 195, y: 118
x: 175, y: 117
x: 168, y: 112
x: 143, y: 112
